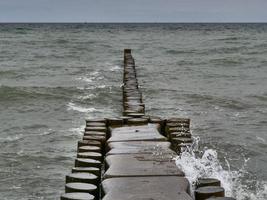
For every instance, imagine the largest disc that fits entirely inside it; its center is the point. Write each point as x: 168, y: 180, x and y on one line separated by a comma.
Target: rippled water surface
x: 53, y: 76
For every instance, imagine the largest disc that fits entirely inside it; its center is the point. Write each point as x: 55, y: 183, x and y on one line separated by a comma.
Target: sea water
x: 53, y: 76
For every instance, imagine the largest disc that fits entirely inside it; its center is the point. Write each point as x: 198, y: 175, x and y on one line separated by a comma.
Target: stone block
x: 136, y: 133
x: 146, y: 188
x: 132, y: 165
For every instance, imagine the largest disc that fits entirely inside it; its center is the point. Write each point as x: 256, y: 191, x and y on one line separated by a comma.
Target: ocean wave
x: 260, y: 139
x: 225, y: 49
x: 87, y: 97
x: 174, y: 52
x: 12, y: 138
x: 262, y: 97
x: 102, y: 86
x: 86, y: 79
x: 15, y: 93
x: 73, y: 106
x: 61, y: 41
x: 24, y: 28
x: 262, y: 45
x: 92, y: 87
x: 115, y: 68
x: 78, y: 130
x: 231, y: 38
x: 91, y: 77
x: 8, y: 73
x: 227, y: 61
x: 217, y: 101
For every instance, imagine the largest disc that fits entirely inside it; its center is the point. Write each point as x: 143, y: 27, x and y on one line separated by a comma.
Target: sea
x: 54, y: 76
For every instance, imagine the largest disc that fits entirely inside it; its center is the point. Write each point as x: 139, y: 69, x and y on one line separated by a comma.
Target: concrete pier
x: 131, y: 157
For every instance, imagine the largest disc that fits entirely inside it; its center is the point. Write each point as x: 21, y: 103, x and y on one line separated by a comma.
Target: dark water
x: 53, y: 76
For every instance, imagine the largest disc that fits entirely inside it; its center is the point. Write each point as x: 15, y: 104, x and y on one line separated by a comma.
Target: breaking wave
x: 73, y: 106
x: 204, y: 163
x: 115, y: 68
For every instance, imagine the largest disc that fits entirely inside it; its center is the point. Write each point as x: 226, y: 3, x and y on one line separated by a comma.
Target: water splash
x: 245, y: 192
x: 205, y: 164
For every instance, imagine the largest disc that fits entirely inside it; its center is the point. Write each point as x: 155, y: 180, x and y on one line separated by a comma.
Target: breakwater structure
x: 131, y: 157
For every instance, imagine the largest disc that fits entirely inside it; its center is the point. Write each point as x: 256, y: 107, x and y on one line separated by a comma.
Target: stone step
x: 136, y: 133
x: 140, y: 147
x: 131, y: 165
x: 156, y: 188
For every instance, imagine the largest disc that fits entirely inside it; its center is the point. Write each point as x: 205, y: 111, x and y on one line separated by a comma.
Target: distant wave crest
x: 73, y: 106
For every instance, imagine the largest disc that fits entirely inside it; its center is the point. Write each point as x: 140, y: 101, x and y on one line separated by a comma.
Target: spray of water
x: 204, y: 163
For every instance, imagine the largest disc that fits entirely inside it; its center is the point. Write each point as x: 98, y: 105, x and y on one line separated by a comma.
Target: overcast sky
x: 133, y: 10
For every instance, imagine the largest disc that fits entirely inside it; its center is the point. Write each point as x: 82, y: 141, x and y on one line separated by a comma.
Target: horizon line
x: 79, y: 22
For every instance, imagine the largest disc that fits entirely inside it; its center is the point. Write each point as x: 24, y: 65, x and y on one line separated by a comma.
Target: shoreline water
x: 215, y: 75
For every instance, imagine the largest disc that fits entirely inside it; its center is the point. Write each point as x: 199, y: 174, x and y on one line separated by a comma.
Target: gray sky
x: 133, y: 10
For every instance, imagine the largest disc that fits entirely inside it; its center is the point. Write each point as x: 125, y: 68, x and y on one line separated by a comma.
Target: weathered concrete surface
x: 77, y: 196
x: 97, y: 128
x: 85, y: 162
x: 95, y: 124
x: 136, y: 121
x: 96, y: 133
x: 146, y: 188
x: 89, y: 142
x: 136, y: 133
x: 90, y: 155
x: 81, y: 187
x: 179, y: 134
x: 102, y: 139
x: 89, y: 148
x: 82, y: 178
x: 140, y: 147
x: 126, y: 165
x: 93, y: 170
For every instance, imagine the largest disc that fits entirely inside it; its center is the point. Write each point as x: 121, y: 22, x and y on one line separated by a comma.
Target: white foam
x: 95, y: 73
x: 47, y: 132
x: 78, y: 130
x: 15, y: 187
x: 202, y: 164
x: 243, y: 192
x: 101, y: 86
x: 92, y: 87
x: 90, y: 77
x: 12, y: 138
x: 80, y: 88
x: 86, y: 79
x: 73, y: 106
x: 115, y: 68
x: 260, y: 139
x: 86, y: 97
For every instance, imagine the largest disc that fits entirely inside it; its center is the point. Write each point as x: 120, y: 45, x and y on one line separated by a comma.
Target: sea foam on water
x: 73, y: 106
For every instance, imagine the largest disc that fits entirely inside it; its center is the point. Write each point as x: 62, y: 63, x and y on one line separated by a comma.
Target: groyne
x: 131, y: 157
